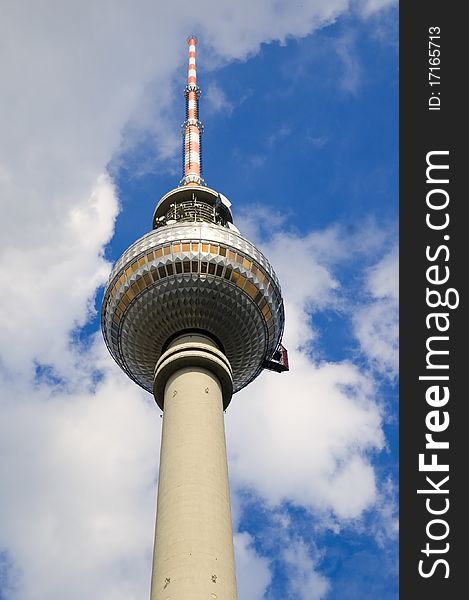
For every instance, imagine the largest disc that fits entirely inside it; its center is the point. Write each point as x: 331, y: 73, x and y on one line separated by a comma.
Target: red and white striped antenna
x: 192, y: 127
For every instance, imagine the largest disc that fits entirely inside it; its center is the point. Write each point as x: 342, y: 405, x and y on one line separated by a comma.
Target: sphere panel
x: 164, y: 313
x: 192, y: 277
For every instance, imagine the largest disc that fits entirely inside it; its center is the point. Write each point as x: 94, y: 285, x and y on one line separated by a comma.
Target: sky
x: 299, y: 103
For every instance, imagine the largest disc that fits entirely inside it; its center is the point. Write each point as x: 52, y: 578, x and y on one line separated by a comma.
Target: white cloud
x: 252, y: 571
x: 305, y: 583
x: 386, y: 526
x: 78, y: 485
x: 216, y: 100
x: 241, y: 26
x: 82, y: 478
x: 376, y: 323
x: 383, y: 278
x: 275, y: 138
x: 259, y: 221
x: 304, y: 437
x: 307, y: 435
x: 368, y: 8
x: 298, y: 561
x: 78, y: 460
x: 351, y: 75
x: 306, y: 264
x: 76, y: 77
x: 51, y: 278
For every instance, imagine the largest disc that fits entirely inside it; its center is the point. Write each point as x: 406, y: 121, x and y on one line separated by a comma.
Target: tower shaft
x: 193, y: 553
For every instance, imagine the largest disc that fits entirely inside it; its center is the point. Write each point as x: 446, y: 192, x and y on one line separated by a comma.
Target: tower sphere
x: 193, y: 272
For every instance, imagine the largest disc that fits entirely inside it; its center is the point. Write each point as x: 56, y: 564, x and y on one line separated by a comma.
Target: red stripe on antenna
x: 192, y: 127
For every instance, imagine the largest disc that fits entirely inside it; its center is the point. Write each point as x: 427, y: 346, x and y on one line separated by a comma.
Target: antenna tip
x: 192, y: 40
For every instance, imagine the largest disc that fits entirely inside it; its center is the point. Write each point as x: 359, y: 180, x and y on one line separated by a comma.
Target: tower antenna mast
x: 192, y: 127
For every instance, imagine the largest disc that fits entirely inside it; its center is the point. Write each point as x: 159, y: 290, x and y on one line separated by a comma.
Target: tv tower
x: 193, y: 312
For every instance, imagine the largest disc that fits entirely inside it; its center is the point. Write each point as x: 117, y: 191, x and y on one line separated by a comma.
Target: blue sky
x: 300, y: 107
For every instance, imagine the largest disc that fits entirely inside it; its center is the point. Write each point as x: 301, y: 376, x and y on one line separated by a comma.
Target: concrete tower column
x: 193, y: 554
